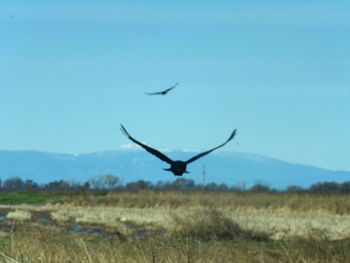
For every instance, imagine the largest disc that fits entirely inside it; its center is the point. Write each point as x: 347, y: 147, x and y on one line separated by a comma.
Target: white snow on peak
x: 190, y: 150
x: 130, y: 146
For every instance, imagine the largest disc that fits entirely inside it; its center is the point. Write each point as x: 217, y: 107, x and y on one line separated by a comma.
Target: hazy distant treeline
x: 110, y: 182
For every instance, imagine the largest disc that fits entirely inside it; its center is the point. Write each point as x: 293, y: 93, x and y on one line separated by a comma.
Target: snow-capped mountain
x: 130, y: 165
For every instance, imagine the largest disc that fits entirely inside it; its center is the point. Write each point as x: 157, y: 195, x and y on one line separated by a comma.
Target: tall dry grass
x: 47, y: 244
x: 202, y: 229
x: 325, y: 203
x: 212, y: 225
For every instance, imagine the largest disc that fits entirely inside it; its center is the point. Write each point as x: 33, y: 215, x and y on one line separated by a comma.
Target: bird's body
x: 178, y: 168
x: 162, y: 92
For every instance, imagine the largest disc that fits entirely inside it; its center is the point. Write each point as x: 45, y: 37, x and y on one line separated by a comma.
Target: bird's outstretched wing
x: 161, y: 92
x: 147, y: 148
x: 205, y: 153
x: 153, y: 93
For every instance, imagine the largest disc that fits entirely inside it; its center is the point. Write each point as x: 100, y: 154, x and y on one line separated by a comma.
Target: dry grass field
x: 150, y: 226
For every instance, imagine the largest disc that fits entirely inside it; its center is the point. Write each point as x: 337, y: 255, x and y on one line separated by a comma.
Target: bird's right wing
x: 206, y: 152
x: 169, y: 89
x: 147, y: 148
x: 166, y: 91
x: 177, y: 83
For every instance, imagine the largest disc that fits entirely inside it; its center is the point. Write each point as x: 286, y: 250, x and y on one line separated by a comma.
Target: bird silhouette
x: 162, y: 92
x: 176, y: 167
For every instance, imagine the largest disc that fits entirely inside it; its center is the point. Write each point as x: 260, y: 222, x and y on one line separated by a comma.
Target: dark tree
x: 106, y: 181
x: 326, y: 187
x: 14, y: 183
x: 260, y: 188
x: 139, y: 185
x: 57, y: 185
x: 344, y: 187
x: 211, y: 187
x: 223, y: 188
x: 30, y: 185
x: 294, y: 189
x: 182, y: 184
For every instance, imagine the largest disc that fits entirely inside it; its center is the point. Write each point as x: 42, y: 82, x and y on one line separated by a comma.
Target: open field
x: 177, y: 227
x: 28, y: 198
x: 244, y: 201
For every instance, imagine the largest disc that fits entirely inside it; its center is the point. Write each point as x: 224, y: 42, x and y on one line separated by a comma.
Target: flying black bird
x: 162, y: 92
x: 176, y: 167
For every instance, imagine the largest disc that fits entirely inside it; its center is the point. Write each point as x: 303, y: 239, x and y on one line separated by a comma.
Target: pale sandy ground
x: 276, y: 224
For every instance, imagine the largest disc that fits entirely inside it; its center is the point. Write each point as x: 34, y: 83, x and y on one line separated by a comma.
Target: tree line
x: 110, y: 182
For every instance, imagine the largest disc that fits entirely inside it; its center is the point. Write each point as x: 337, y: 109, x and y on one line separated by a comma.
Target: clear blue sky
x: 278, y: 71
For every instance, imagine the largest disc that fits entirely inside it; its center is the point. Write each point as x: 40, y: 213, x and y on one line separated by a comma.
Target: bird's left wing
x: 205, y: 153
x: 147, y: 148
x: 153, y: 93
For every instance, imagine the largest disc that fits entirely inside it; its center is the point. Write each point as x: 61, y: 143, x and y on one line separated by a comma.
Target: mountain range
x: 231, y: 168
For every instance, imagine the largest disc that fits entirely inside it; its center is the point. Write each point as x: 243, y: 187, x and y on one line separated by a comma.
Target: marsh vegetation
x: 159, y: 226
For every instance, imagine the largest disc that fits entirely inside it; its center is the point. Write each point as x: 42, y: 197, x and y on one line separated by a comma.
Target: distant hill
x: 131, y: 165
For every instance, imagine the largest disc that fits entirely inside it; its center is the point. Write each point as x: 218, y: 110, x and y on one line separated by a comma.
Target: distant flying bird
x: 162, y: 92
x: 176, y: 167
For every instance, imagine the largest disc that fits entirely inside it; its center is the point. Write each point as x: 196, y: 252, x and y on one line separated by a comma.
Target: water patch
x: 89, y: 230
x: 76, y: 228
x: 42, y: 217
x: 146, y: 234
x: 44, y: 220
